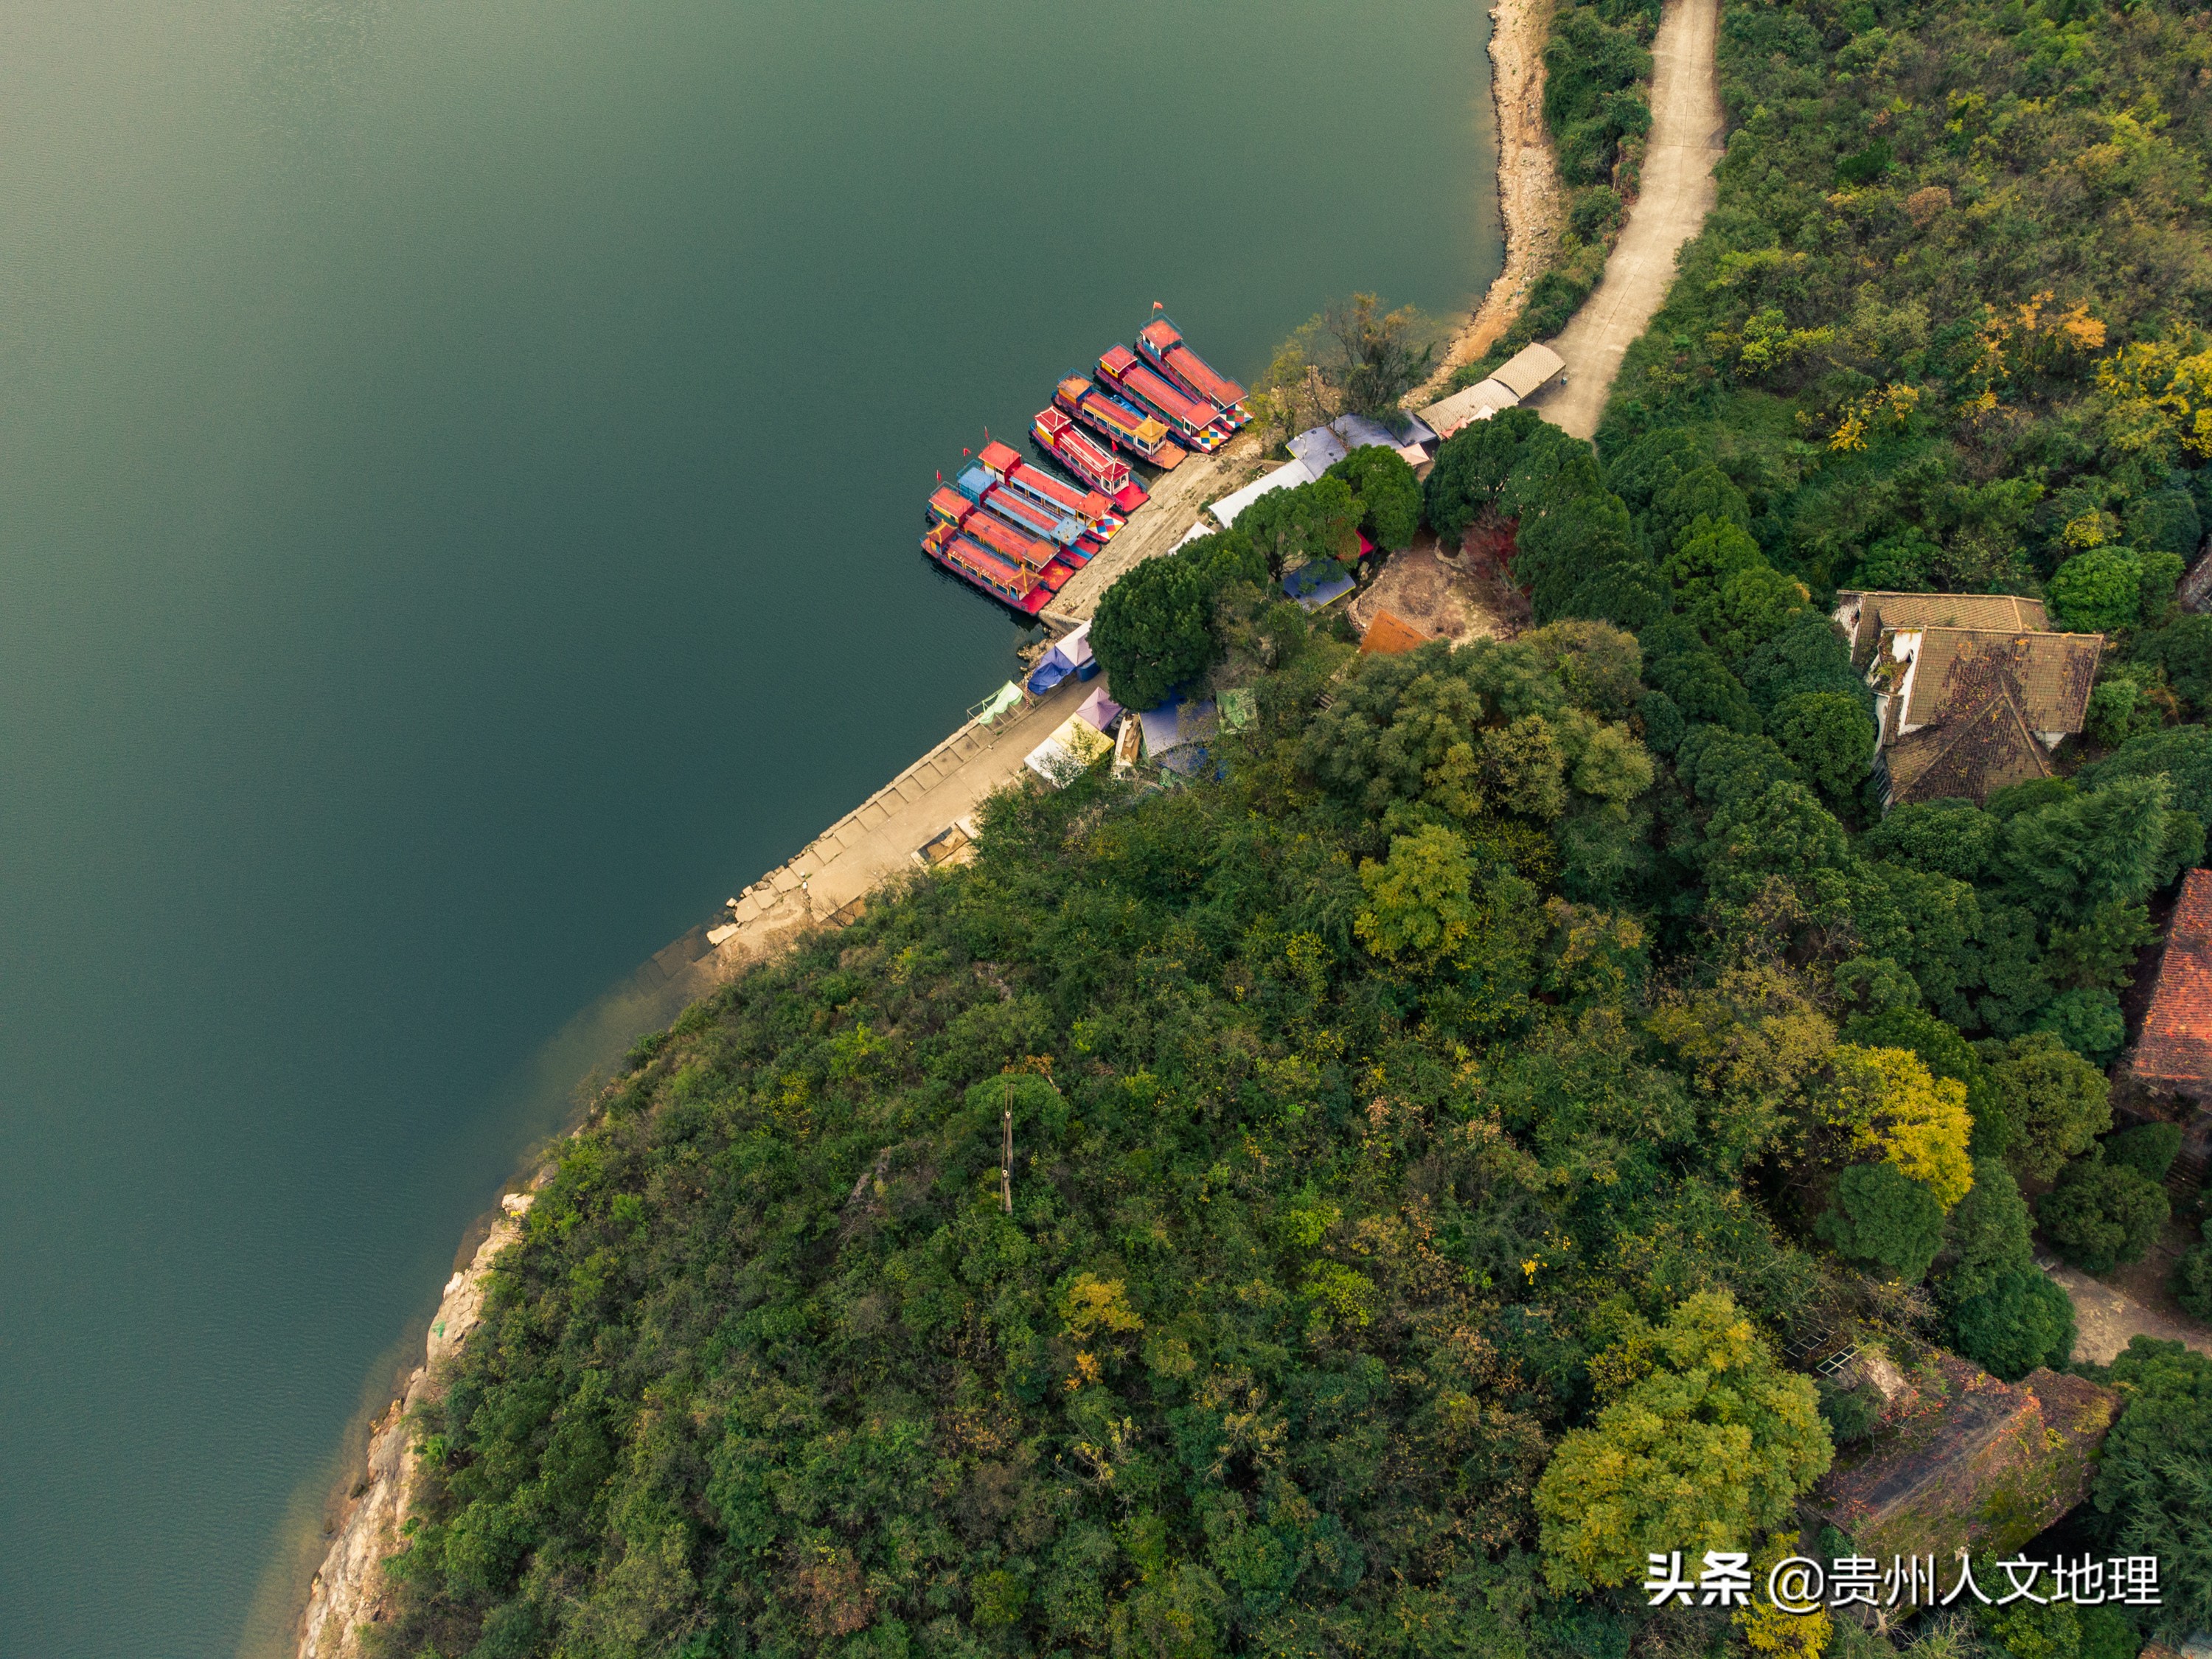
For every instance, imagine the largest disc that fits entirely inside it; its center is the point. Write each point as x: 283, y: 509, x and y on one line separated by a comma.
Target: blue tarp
x: 1315, y: 585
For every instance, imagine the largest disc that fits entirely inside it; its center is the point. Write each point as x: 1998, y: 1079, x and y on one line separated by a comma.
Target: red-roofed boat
x: 1055, y: 430
x: 1123, y: 424
x: 1005, y: 463
x: 1164, y: 347
x: 1195, y: 421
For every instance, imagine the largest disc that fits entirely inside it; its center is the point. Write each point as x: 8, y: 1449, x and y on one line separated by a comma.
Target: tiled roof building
x: 2175, y: 1055
x: 1972, y: 691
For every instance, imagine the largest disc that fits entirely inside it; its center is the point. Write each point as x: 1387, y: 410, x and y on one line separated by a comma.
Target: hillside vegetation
x: 1430, y: 1133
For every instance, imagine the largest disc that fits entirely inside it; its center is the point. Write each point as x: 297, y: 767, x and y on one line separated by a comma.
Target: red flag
x: 1157, y: 306
x: 941, y: 477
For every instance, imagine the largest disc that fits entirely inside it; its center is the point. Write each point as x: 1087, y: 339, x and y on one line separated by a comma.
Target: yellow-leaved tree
x: 1705, y: 1444
x: 1889, y: 1103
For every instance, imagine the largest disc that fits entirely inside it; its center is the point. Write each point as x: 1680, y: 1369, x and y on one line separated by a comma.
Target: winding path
x: 1677, y: 191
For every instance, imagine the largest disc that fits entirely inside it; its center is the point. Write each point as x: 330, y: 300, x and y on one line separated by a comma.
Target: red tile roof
x: 2177, y: 1033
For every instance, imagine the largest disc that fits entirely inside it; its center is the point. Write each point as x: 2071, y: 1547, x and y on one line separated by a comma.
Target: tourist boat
x: 1141, y: 435
x: 1025, y: 512
x: 1008, y: 540
x: 1195, y: 423
x: 1056, y: 433
x: 1163, y: 345
x: 1023, y: 587
x: 1005, y: 463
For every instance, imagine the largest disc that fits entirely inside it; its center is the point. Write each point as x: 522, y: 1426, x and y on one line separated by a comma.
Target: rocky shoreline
x: 1528, y: 189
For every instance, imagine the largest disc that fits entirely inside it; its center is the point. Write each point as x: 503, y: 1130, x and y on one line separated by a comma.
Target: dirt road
x: 1678, y: 194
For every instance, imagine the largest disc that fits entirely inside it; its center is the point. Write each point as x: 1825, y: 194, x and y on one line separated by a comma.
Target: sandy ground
x: 1157, y: 526
x: 1678, y: 192
x: 1528, y: 192
x: 1444, y: 599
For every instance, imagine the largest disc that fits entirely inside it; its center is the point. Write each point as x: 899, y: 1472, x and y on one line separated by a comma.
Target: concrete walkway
x: 1677, y: 191
x: 2104, y: 1318
x: 875, y: 842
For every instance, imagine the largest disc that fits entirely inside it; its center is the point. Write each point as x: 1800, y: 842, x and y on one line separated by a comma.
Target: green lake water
x: 460, y: 465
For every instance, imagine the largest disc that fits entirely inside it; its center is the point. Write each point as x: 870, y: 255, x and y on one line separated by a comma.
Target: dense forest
x: 1436, y: 1125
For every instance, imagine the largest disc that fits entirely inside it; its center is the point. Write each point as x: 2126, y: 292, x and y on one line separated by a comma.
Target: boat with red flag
x: 1164, y: 347
x: 1005, y: 463
x: 1142, y: 435
x: 1057, y: 433
x: 1196, y: 423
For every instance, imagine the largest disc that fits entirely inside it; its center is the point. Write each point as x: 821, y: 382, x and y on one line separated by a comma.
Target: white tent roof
x: 1465, y: 407
x: 1529, y: 369
x: 1288, y: 475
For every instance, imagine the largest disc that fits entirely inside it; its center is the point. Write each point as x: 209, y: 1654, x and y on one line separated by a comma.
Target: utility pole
x: 1006, y: 1154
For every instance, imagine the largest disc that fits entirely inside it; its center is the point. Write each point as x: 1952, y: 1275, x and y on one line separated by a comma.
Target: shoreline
x: 1529, y: 188
x: 349, y: 1590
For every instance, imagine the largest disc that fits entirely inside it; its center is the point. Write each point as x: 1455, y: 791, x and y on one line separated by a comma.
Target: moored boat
x: 1056, y: 433
x: 1164, y: 347
x: 1013, y: 582
x: 1195, y: 423
x: 1039, y: 518
x: 1123, y: 424
x: 1005, y: 464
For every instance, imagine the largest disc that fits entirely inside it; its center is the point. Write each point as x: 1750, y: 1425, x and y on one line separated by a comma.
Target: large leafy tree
x: 1885, y: 1219
x: 2056, y: 1102
x: 1390, y: 496
x: 2101, y: 1215
x: 1705, y: 1445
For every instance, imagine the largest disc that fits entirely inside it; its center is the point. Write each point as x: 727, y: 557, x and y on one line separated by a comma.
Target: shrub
x: 1885, y: 1219
x: 2089, y: 1022
x: 2102, y: 1215
x: 1849, y: 1414
x: 2149, y: 1149
x: 2022, y: 1321
x: 2191, y: 1282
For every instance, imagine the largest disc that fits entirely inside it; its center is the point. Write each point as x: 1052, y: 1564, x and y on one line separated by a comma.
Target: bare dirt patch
x: 1459, y: 598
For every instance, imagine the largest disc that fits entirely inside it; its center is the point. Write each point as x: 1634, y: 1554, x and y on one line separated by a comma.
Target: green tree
x: 2021, y: 1321
x: 1885, y: 1220
x: 2111, y: 844
x: 2153, y: 1486
x: 2182, y: 755
x: 1155, y: 630
x: 2056, y: 1102
x: 1471, y: 468
x: 2099, y: 1216
x: 2191, y: 1282
x: 1831, y: 738
x: 1390, y: 496
x: 1952, y: 838
x: 2087, y: 1022
x: 2149, y: 1149
x: 2098, y: 592
x: 1293, y: 528
x: 1599, y: 666
x: 1706, y: 1447
x: 1987, y: 1236
x: 1419, y: 906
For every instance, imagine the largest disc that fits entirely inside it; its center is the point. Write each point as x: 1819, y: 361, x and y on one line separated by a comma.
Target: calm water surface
x: 460, y: 463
